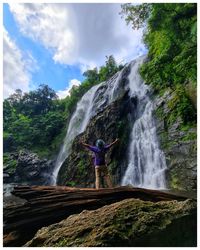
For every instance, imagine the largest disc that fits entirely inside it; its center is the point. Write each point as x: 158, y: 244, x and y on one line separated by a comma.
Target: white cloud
x: 85, y: 65
x: 16, y: 69
x: 79, y: 33
x: 63, y: 93
x: 48, y: 24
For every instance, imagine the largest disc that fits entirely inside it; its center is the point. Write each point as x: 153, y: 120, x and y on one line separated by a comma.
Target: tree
x: 136, y: 14
x: 109, y: 69
x: 92, y: 75
x: 16, y: 97
x: 171, y: 38
x: 36, y: 119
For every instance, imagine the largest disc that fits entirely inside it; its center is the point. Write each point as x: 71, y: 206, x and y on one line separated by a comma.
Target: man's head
x: 100, y: 143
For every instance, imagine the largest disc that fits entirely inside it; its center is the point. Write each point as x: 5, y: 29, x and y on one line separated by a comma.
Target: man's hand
x: 84, y: 144
x: 117, y: 140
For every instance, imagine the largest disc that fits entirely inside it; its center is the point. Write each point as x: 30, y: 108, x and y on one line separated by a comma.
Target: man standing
x: 99, y: 161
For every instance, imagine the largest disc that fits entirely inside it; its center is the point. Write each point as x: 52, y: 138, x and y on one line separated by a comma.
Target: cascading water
x: 91, y: 103
x: 146, y: 162
x: 77, y: 125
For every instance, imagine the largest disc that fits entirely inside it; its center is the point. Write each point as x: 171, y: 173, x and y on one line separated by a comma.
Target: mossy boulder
x: 128, y: 223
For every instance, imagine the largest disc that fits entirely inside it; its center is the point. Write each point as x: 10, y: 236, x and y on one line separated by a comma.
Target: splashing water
x: 146, y: 162
x: 93, y: 101
x: 77, y: 125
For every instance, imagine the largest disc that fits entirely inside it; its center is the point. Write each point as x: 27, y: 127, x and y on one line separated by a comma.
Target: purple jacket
x: 99, y: 154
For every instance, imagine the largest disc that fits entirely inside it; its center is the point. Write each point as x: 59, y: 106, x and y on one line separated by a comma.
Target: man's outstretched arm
x: 90, y: 147
x: 85, y: 144
x: 114, y: 142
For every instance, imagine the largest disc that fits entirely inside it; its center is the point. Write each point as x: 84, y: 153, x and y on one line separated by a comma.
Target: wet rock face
x: 179, y: 145
x: 111, y: 112
x: 128, y: 223
x: 29, y: 169
x: 113, y: 122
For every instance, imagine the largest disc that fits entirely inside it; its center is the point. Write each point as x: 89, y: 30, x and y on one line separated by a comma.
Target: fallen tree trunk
x: 46, y: 205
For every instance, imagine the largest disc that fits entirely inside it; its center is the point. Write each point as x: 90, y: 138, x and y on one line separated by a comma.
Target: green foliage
x: 92, y: 75
x: 71, y: 183
x: 190, y: 136
x: 6, y: 158
x: 136, y: 14
x: 34, y: 118
x: 9, y: 163
x: 37, y: 120
x: 159, y: 112
x: 7, y: 142
x: 171, y: 38
x: 174, y: 182
x: 81, y: 170
x: 181, y: 106
x: 109, y: 69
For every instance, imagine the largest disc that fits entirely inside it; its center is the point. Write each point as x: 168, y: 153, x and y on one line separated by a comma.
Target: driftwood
x: 46, y: 205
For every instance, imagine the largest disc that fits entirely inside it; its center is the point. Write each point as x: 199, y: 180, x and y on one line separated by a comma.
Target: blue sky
x: 55, y: 43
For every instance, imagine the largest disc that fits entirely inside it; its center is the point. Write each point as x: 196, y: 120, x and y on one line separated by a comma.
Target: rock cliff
x: 115, y: 119
x: 29, y: 169
x: 112, y: 120
x: 179, y: 143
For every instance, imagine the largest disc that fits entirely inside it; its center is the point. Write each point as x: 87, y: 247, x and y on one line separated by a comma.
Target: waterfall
x: 146, y: 162
x: 92, y: 102
x: 77, y: 125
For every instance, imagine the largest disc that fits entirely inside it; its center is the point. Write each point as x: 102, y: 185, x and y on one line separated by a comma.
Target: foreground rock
x: 127, y: 223
x: 46, y: 205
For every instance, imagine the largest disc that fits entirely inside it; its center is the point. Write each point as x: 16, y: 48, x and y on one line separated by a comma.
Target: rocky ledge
x: 121, y: 216
x: 128, y: 223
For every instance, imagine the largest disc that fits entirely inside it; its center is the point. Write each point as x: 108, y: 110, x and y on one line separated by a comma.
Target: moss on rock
x: 9, y: 163
x: 130, y: 222
x: 176, y: 128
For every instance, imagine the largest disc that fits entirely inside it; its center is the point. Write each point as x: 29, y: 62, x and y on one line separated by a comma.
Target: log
x: 46, y: 205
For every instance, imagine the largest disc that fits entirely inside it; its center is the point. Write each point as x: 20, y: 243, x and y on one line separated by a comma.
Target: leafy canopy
x: 37, y: 120
x: 170, y: 34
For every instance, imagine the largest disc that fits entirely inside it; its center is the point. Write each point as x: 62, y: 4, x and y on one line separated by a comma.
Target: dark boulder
x: 29, y: 169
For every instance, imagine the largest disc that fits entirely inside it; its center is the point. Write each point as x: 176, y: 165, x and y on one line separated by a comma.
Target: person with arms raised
x: 100, y: 149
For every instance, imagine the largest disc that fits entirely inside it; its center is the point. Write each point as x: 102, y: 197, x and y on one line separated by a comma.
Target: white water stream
x: 146, y: 162
x: 91, y: 103
x: 77, y: 125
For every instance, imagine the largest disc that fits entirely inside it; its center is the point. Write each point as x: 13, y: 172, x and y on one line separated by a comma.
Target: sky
x: 55, y: 43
